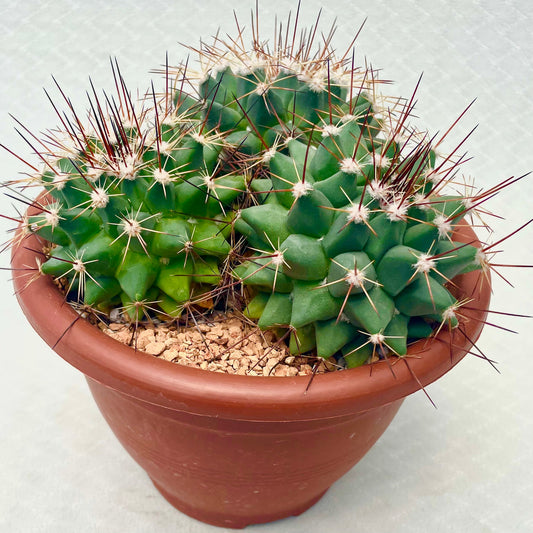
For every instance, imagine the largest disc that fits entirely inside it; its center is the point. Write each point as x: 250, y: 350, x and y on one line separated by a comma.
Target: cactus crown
x: 280, y: 182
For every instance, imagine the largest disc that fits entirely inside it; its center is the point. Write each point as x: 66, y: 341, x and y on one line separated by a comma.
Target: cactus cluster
x: 280, y: 175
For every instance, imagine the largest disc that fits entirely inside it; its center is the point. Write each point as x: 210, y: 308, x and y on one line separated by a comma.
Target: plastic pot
x: 236, y: 450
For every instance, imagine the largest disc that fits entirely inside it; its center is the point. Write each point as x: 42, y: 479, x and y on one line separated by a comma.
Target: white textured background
x: 466, y: 466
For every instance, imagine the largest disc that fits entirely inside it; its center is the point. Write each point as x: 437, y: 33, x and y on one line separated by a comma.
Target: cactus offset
x: 139, y: 210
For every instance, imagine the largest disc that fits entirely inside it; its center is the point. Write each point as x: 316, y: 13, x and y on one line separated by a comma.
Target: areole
x: 227, y: 449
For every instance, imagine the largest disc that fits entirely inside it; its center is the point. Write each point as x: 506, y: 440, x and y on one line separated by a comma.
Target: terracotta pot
x: 236, y: 450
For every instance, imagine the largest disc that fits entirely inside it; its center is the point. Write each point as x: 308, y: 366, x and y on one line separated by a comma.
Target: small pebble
x: 155, y: 348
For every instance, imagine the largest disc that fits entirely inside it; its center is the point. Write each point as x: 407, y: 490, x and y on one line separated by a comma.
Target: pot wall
x: 234, y: 473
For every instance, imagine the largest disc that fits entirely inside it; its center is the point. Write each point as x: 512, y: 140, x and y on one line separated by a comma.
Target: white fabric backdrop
x: 463, y: 467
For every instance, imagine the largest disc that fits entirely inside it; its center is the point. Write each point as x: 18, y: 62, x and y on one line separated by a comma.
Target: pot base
x: 235, y: 521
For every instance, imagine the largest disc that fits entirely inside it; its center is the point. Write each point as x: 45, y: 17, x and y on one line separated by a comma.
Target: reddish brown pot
x: 236, y: 450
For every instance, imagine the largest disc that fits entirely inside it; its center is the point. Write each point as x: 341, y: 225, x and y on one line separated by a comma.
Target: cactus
x: 351, y: 231
x: 139, y: 210
x: 281, y: 176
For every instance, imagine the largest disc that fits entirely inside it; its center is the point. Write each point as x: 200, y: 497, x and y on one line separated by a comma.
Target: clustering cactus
x: 282, y: 174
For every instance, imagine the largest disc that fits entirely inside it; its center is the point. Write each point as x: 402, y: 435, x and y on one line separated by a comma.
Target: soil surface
x: 222, y: 344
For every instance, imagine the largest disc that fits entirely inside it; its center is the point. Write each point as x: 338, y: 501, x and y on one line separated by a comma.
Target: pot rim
x: 202, y: 392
